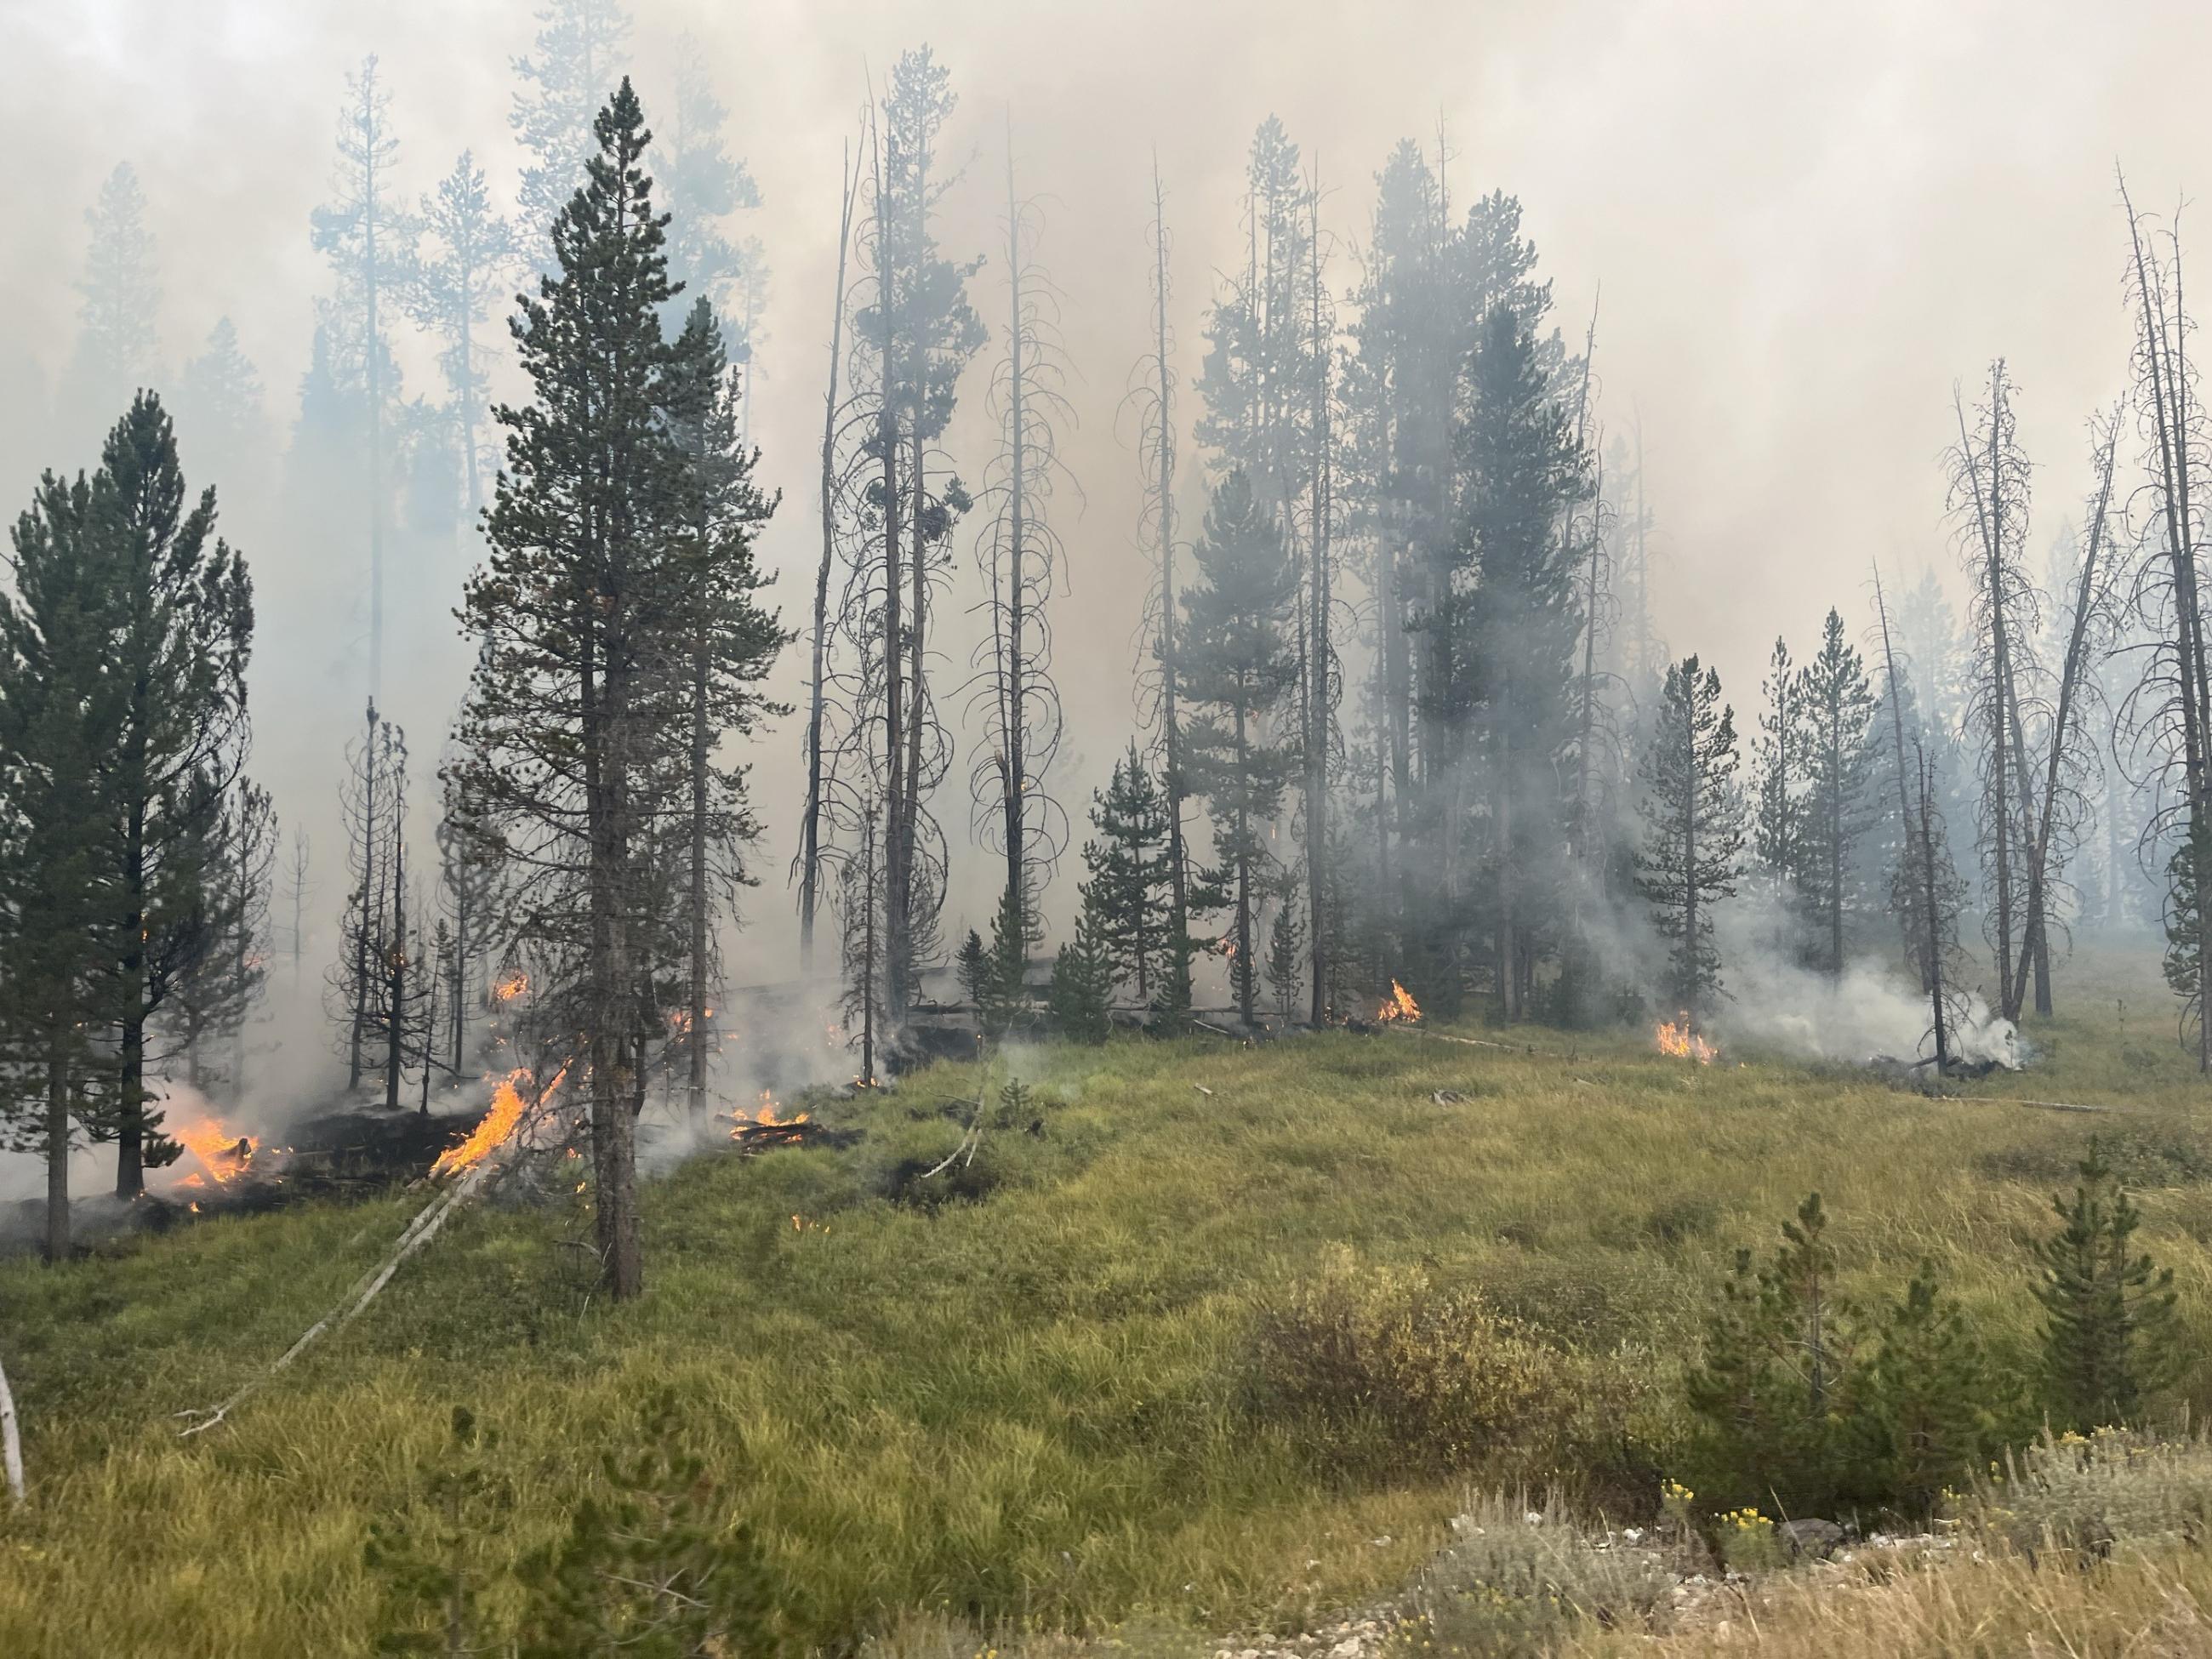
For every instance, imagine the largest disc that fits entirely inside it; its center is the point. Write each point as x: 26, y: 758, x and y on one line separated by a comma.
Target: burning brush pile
x: 766, y: 1128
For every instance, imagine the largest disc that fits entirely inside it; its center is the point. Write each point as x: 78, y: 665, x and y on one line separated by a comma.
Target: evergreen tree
x: 1694, y: 835
x: 705, y: 185
x: 1285, y: 938
x: 1081, y: 997
x: 2109, y: 1332
x: 729, y: 641
x: 974, y: 968
x: 573, y: 733
x: 119, y: 343
x: 1129, y: 875
x: 1932, y: 1398
x: 369, y: 239
x: 220, y: 403
x: 1838, y: 705
x: 1237, y: 669
x: 224, y: 953
x: 579, y: 56
x: 1778, y: 820
x: 464, y: 273
x: 180, y: 609
x: 60, y: 714
x: 1775, y: 1390
x: 1521, y: 621
x: 1005, y: 996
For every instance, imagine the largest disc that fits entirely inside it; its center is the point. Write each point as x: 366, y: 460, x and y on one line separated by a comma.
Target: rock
x: 1816, y: 1539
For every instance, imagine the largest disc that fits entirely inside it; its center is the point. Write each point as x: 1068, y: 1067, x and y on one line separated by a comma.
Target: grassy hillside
x: 1024, y: 1404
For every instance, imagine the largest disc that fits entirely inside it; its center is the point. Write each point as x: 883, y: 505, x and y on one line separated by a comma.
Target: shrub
x: 1387, y: 1374
x: 1513, y: 1580
x: 2088, y: 1495
x: 652, y: 1568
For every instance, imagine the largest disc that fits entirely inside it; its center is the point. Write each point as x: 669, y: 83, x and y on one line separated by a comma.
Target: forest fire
x: 766, y: 1127
x: 1399, y: 1006
x: 513, y: 986
x: 223, y: 1156
x: 1683, y: 1043
x: 507, y: 1107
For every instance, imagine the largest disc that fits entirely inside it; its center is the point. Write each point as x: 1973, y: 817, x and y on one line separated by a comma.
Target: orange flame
x: 507, y: 1107
x: 512, y: 987
x: 1682, y: 1043
x: 765, y: 1118
x: 1400, y: 1005
x: 223, y: 1156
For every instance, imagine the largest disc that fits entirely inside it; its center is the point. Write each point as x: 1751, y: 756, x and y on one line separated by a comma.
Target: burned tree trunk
x: 809, y: 833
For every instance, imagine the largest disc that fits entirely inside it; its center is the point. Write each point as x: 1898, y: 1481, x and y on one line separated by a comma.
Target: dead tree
x: 1316, y: 741
x: 1910, y: 915
x: 1931, y: 897
x: 295, y: 891
x: 2168, y: 713
x: 376, y: 766
x: 2062, y: 805
x: 1990, y: 475
x: 1153, y: 395
x: 1021, y: 556
x: 808, y: 866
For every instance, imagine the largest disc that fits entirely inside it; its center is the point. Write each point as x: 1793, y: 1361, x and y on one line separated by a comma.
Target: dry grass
x: 1020, y: 1412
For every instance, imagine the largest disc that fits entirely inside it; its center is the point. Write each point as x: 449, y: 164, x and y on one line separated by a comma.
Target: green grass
x: 1021, y: 1409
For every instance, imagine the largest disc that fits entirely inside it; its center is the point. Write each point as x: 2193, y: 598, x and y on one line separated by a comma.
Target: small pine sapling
x: 2108, y: 1334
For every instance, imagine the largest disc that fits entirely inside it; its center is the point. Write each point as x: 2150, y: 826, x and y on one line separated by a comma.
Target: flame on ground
x: 223, y: 1156
x: 507, y: 1107
x: 1398, y: 1005
x: 1682, y: 1043
x: 765, y: 1118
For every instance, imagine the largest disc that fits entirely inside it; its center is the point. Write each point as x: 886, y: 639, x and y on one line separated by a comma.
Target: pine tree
x: 220, y: 403
x: 181, y: 609
x: 1838, y: 705
x: 1521, y: 621
x: 224, y: 950
x: 119, y: 309
x: 1694, y: 835
x: 2109, y: 1332
x: 578, y: 55
x: 704, y: 186
x: 1005, y: 998
x: 974, y: 968
x: 1129, y: 879
x: 369, y: 239
x: 730, y: 640
x: 581, y: 618
x: 1238, y: 669
x: 1285, y: 939
x: 59, y: 713
x: 1778, y: 820
x: 1932, y: 1397
x: 464, y: 273
x: 1081, y: 996
x: 1775, y: 1390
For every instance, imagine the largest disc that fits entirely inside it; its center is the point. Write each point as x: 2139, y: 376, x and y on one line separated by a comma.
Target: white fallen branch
x: 11, y: 1441
x: 417, y: 1233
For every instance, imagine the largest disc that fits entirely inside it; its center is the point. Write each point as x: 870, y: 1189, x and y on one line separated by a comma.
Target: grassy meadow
x: 1021, y: 1403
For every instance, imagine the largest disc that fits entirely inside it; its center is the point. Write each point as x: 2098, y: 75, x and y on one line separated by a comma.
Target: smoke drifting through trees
x: 1409, y: 668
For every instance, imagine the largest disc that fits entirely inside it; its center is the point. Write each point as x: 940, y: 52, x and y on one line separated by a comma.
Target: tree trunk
x: 809, y: 848
x: 395, y: 978
x: 1163, y: 482
x: 1013, y: 779
x: 58, y: 1148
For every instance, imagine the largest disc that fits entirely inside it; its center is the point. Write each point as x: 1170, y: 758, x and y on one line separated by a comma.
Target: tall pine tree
x: 1693, y: 833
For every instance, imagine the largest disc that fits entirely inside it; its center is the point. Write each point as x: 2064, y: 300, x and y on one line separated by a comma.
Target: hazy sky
x: 1809, y: 219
